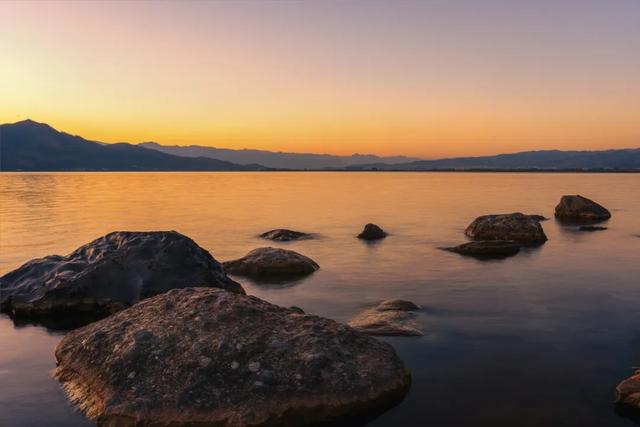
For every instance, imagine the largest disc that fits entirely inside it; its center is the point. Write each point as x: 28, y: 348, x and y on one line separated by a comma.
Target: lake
x: 538, y: 339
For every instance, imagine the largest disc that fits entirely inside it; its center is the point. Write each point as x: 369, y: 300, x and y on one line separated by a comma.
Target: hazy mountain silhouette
x: 275, y: 159
x: 551, y: 160
x: 33, y: 146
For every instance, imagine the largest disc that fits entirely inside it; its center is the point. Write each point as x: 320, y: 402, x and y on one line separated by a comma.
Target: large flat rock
x: 108, y: 275
x: 204, y: 356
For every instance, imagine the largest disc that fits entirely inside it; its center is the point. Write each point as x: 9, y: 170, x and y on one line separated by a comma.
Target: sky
x: 420, y: 78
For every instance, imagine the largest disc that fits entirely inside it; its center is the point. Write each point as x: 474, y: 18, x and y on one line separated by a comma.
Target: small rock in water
x: 628, y: 391
x: 372, y: 232
x: 591, y: 228
x: 524, y: 229
x: 487, y: 249
x: 390, y: 317
x: 268, y: 264
x: 580, y: 209
x: 285, y: 235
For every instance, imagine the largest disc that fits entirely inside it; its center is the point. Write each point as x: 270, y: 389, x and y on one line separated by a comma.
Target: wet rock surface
x: 285, y: 235
x: 205, y: 356
x: 487, y: 249
x: 525, y: 229
x: 108, y: 275
x: 272, y: 264
x: 591, y: 228
x: 580, y: 209
x: 628, y: 391
x: 388, y: 318
x: 372, y: 232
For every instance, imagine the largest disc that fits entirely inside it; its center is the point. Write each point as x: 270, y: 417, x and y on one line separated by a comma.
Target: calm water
x: 539, y: 339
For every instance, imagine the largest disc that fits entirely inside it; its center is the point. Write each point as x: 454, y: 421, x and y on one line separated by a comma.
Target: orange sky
x: 428, y: 79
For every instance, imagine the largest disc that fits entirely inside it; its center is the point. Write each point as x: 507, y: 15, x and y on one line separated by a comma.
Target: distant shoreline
x: 534, y: 171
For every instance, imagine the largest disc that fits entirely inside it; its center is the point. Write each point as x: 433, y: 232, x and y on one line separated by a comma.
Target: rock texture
x: 272, y: 264
x: 372, y: 232
x: 108, y: 275
x: 628, y: 391
x: 515, y: 226
x: 284, y: 235
x: 591, y: 228
x: 487, y: 248
x: 204, y: 356
x: 578, y: 208
x: 390, y: 317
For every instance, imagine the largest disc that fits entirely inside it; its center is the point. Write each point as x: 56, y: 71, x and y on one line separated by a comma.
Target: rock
x: 578, y: 208
x: 108, y: 275
x: 372, y: 232
x: 325, y: 372
x: 284, y: 235
x: 591, y: 228
x: 515, y: 226
x: 272, y: 263
x: 390, y: 317
x: 628, y: 391
x: 487, y: 248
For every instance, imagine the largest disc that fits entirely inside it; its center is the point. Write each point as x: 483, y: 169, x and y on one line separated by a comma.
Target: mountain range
x: 33, y: 146
x: 278, y: 160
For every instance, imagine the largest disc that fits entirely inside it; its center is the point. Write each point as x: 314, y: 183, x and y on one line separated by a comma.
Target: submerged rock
x: 372, y: 232
x: 578, y: 208
x: 108, y: 275
x: 390, y: 317
x: 591, y: 228
x: 284, y: 235
x: 515, y: 226
x: 487, y: 248
x: 219, y: 358
x: 272, y: 263
x: 628, y: 391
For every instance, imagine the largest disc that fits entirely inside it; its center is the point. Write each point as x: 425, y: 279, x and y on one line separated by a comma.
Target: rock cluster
x: 390, y: 317
x: 272, y: 264
x: 108, y: 275
x: 205, y: 356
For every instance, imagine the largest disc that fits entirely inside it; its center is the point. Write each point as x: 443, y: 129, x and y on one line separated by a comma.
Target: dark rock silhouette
x: 206, y: 356
x: 372, y: 232
x: 628, y: 391
x: 108, y: 275
x: 515, y: 226
x: 388, y: 318
x: 580, y: 209
x: 591, y: 228
x: 272, y: 264
x: 285, y: 235
x: 487, y: 248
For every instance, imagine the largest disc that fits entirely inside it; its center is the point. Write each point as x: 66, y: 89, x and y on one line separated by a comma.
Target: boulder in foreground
x: 284, y: 235
x: 487, y: 249
x: 204, y: 356
x: 372, y: 232
x: 628, y: 391
x: 108, y: 275
x: 388, y: 318
x: 272, y: 264
x: 578, y: 208
x: 525, y: 229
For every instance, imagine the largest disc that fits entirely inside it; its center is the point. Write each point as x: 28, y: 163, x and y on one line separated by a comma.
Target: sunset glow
x: 429, y: 79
